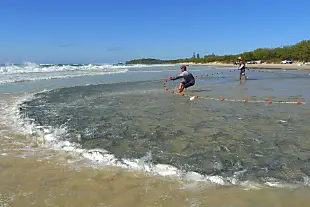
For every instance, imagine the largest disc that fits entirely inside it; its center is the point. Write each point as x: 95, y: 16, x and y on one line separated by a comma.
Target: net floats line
x: 252, y: 70
x: 269, y: 101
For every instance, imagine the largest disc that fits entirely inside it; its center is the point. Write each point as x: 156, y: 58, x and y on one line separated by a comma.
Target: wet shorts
x: 188, y: 84
x: 242, y: 72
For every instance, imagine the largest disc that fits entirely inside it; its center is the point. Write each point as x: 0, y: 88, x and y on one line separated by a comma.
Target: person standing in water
x: 241, y: 68
x: 189, y: 79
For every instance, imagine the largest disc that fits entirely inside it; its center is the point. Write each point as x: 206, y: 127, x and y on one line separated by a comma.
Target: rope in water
x: 256, y: 70
x: 269, y: 101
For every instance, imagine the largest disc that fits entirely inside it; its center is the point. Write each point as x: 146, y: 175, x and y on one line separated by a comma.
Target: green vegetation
x: 147, y: 61
x: 299, y: 52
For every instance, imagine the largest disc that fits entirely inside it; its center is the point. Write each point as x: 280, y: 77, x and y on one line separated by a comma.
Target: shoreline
x: 36, y: 175
x: 255, y: 66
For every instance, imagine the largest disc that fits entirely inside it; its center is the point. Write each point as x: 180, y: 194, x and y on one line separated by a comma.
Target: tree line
x: 299, y: 52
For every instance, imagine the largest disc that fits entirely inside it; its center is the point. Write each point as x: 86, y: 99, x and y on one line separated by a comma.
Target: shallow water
x: 237, y: 141
x: 142, y: 127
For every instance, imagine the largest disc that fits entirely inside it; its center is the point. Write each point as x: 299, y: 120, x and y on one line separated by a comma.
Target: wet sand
x: 55, y: 181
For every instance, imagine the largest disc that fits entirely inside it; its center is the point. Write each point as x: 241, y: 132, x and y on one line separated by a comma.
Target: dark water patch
x: 135, y: 118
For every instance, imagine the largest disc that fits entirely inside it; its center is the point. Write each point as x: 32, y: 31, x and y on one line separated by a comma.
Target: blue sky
x: 109, y: 31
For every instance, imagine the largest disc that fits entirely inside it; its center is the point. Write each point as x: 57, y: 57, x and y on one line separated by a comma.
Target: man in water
x: 189, y: 79
x: 241, y: 68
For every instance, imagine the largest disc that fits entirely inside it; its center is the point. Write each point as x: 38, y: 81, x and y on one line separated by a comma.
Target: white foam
x: 194, y: 176
x: 25, y: 72
x: 307, y: 180
x: 13, y: 78
x: 29, y: 67
x: 166, y: 170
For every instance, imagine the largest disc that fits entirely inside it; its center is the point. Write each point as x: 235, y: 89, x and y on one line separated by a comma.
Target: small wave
x: 56, y: 76
x: 53, y: 139
x: 12, y: 73
x: 29, y: 67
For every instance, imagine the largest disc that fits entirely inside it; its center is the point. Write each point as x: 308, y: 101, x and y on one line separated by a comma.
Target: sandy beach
x: 258, y: 66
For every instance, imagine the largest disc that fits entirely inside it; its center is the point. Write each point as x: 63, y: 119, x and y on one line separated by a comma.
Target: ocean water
x: 122, y: 116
